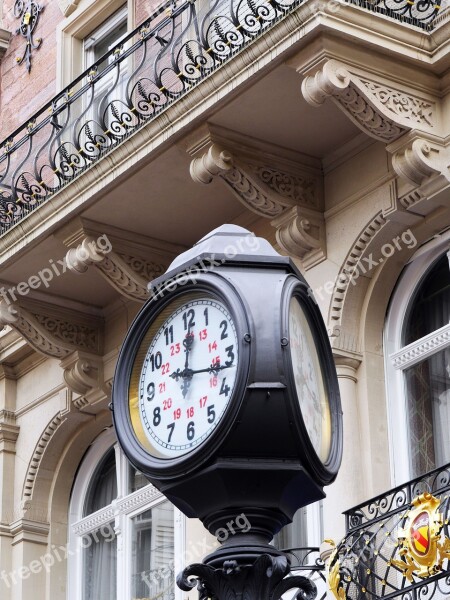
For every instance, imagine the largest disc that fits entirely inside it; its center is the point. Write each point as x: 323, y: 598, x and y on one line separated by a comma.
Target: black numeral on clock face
x: 224, y: 388
x: 171, y: 428
x: 190, y: 432
x: 211, y: 414
x: 223, y: 326
x: 188, y: 319
x: 168, y: 334
x: 150, y: 391
x: 156, y: 360
x: 156, y: 416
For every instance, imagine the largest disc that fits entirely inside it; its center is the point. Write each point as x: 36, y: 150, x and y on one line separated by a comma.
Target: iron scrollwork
x: 28, y: 12
x: 266, y: 579
x: 162, y: 60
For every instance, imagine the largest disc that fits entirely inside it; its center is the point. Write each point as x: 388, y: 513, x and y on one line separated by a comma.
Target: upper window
x: 118, y: 518
x: 104, y: 38
x: 418, y: 366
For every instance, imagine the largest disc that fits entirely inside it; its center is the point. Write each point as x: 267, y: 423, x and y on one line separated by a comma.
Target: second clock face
x: 187, y: 377
x: 309, y: 381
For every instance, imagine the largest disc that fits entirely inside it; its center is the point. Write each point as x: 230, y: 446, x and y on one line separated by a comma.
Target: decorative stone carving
x: 82, y: 373
x: 349, y: 273
x: 302, y: 235
x: 373, y: 108
x: 50, y: 335
x: 129, y: 275
x: 213, y: 162
x: 300, y: 190
x: 418, y: 161
x: 33, y: 466
x: 9, y: 431
x: 68, y: 6
x: 413, y: 108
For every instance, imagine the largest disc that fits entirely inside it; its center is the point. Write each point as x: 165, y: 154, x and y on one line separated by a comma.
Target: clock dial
x: 309, y: 381
x: 187, y: 377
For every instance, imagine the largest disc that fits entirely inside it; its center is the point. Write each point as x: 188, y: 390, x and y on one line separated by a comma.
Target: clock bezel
x: 213, y: 287
x: 324, y: 471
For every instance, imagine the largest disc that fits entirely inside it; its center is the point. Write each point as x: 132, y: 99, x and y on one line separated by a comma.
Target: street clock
x: 225, y: 393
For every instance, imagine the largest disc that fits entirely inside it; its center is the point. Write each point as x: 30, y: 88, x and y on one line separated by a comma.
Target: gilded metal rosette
x: 423, y: 548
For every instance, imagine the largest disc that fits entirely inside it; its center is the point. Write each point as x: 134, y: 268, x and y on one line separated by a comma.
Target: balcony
x: 375, y: 560
x: 159, y: 63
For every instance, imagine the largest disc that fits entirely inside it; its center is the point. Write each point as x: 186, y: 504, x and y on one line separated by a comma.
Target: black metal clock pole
x: 226, y: 397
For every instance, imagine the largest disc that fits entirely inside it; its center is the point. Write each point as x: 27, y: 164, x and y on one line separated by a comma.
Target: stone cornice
x: 26, y: 530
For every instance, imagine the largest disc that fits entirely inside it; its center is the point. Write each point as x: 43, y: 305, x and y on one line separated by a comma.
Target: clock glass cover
x: 183, y: 376
x: 309, y: 381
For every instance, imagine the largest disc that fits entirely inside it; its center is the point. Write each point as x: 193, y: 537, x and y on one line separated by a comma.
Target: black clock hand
x: 187, y: 343
x: 188, y: 373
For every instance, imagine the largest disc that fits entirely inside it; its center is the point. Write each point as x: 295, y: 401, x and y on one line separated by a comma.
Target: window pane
x: 428, y: 406
x: 431, y: 306
x: 103, y: 488
x: 136, y: 480
x: 294, y: 534
x: 153, y: 554
x: 100, y: 564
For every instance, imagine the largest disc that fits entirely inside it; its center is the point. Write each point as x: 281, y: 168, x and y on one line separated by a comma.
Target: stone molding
x: 9, y: 431
x: 381, y: 111
x: 424, y: 164
x: 291, y: 201
x: 5, y: 38
x: 420, y: 350
x: 49, y: 334
x: 27, y: 530
x: 68, y: 6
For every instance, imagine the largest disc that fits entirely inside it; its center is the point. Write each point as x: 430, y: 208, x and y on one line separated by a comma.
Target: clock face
x: 185, y: 377
x: 309, y: 381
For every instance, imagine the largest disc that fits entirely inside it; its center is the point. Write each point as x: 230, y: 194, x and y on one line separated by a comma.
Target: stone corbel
x: 424, y: 165
x: 293, y: 202
x: 301, y: 233
x: 128, y: 275
x: 9, y: 431
x: 83, y: 373
x: 68, y: 6
x: 382, y: 112
x: 76, y: 343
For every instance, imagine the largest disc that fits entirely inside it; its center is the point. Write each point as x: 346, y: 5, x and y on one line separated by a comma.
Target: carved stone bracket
x: 293, y: 202
x: 76, y: 342
x: 9, y: 431
x: 129, y: 275
x: 383, y: 112
x: 302, y: 233
x: 424, y: 164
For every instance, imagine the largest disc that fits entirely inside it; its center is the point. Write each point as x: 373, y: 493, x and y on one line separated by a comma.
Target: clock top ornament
x: 225, y: 393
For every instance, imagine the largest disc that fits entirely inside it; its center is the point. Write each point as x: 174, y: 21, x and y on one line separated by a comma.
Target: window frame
x: 399, y: 357
x: 120, y: 512
x: 72, y: 31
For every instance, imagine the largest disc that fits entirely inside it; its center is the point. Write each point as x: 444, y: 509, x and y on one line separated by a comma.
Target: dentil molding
x: 292, y: 201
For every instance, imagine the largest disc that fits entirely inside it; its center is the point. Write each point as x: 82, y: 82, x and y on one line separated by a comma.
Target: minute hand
x: 211, y: 369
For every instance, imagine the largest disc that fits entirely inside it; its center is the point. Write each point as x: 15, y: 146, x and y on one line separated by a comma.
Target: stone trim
x: 421, y: 349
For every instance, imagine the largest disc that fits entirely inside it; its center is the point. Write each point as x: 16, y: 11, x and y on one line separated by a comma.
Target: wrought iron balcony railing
x: 397, y: 544
x: 155, y: 65
x: 307, y: 562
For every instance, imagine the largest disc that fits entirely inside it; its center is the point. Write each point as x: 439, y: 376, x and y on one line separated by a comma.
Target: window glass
x: 428, y: 409
x: 103, y: 487
x: 431, y: 305
x: 137, y: 480
x: 100, y: 564
x: 153, y: 553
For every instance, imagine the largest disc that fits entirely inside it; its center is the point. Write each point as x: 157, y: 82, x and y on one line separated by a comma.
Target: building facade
x: 132, y: 129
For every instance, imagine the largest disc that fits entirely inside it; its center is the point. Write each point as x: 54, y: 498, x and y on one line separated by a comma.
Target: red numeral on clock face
x: 212, y: 347
x: 175, y: 349
x: 167, y: 404
x: 213, y: 382
x: 177, y: 414
x: 165, y: 368
x: 203, y: 334
x: 190, y: 412
x: 162, y: 387
x: 203, y: 401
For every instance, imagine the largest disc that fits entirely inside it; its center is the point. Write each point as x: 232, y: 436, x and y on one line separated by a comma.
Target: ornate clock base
x: 265, y: 579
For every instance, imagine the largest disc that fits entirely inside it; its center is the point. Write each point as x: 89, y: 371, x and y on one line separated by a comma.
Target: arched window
x: 123, y: 533
x: 417, y: 354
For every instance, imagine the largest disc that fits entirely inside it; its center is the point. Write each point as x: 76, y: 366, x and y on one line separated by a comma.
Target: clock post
x: 226, y: 397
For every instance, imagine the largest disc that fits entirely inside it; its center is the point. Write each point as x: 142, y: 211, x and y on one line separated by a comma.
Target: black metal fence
x: 155, y: 65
